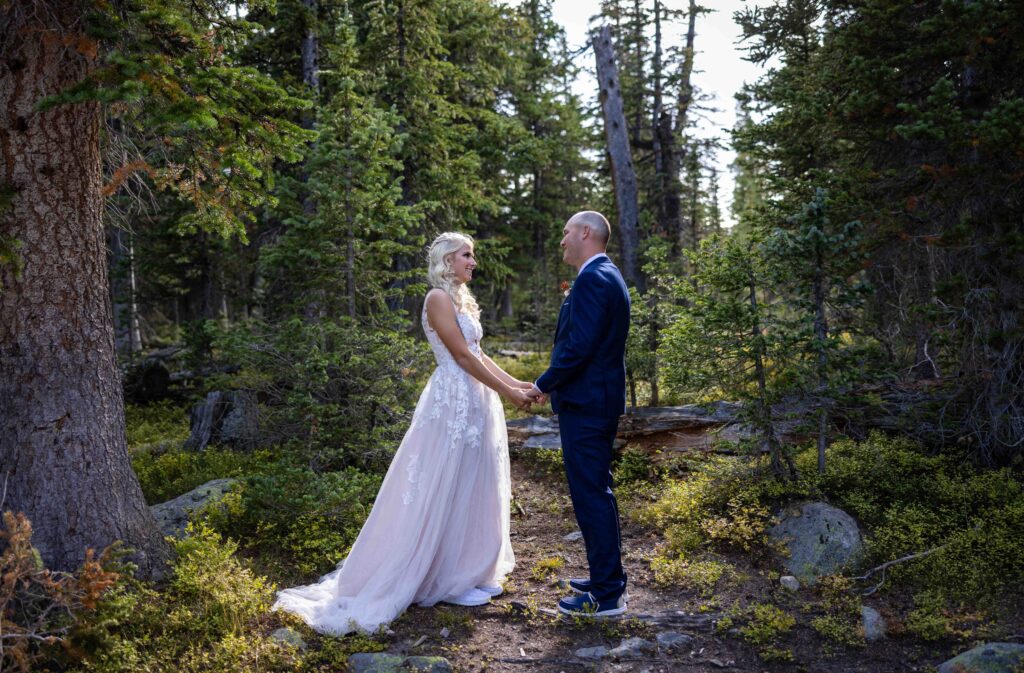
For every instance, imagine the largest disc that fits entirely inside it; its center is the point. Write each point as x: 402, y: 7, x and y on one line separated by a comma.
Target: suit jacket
x: 587, y: 374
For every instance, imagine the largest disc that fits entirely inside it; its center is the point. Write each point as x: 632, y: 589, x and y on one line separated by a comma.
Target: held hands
x: 524, y: 394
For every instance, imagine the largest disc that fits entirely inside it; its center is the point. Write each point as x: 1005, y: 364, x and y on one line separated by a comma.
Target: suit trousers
x: 587, y: 454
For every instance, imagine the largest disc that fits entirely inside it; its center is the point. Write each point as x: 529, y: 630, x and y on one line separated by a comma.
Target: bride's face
x: 462, y: 264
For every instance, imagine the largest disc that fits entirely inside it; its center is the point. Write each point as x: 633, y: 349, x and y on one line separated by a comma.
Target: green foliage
x: 841, y: 623
x: 766, y: 626
x: 908, y: 501
x: 722, y: 502
x: 165, y: 475
x: 907, y: 113
x: 634, y: 465
x: 214, y: 593
x: 727, y: 336
x: 546, y: 569
x: 336, y: 390
x: 299, y: 521
x: 702, y: 576
x: 205, y: 619
x: 163, y: 423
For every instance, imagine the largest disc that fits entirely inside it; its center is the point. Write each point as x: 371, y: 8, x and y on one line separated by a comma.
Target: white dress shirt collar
x: 600, y: 254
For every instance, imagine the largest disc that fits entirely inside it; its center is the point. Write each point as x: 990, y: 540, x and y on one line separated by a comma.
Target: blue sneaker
x: 580, y: 586
x: 585, y: 605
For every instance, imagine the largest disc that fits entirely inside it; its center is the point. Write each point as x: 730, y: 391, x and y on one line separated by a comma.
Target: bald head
x: 584, y: 235
x: 597, y: 222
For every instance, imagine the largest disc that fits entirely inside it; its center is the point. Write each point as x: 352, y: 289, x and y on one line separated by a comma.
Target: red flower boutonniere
x: 565, y: 287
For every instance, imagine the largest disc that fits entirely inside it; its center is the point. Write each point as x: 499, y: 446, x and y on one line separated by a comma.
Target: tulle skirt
x: 440, y: 523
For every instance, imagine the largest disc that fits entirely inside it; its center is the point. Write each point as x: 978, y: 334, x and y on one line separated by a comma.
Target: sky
x: 721, y: 71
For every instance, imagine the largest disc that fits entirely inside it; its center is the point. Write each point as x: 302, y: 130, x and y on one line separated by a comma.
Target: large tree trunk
x: 63, y: 452
x: 619, y: 154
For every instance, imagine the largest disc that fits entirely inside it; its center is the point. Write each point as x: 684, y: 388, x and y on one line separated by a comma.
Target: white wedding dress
x: 440, y: 523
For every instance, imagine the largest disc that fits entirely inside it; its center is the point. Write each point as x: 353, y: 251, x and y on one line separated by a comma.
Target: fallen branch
x: 888, y: 564
x: 528, y: 660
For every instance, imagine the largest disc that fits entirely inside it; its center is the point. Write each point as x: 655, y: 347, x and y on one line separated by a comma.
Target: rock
x: 821, y: 540
x: 633, y: 647
x: 873, y: 623
x: 172, y: 516
x: 640, y: 421
x: 987, y: 658
x: 230, y: 418
x: 545, y: 441
x: 522, y: 428
x: 426, y: 665
x: 288, y: 636
x: 572, y: 537
x: 599, y: 652
x: 374, y: 662
x: 671, y: 641
x: 445, y: 632
x: 789, y: 583
x: 380, y: 662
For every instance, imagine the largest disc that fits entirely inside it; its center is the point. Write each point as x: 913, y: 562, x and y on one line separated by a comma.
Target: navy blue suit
x: 587, y: 384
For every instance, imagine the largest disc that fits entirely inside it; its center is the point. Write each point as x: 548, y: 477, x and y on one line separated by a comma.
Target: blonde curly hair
x: 440, y: 275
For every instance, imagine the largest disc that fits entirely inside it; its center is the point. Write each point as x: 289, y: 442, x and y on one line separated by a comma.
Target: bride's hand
x: 524, y: 385
x: 518, y: 398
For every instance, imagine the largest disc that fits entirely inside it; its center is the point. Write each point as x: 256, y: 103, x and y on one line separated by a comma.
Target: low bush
x: 971, y: 522
x: 299, y: 522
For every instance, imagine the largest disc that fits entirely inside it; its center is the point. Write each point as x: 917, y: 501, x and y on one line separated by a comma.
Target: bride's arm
x: 504, y: 375
x: 441, y: 315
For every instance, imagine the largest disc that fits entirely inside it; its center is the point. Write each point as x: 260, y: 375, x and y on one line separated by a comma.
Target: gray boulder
x: 873, y: 623
x: 426, y: 665
x: 820, y: 539
x: 287, y: 636
x: 598, y: 652
x: 987, y: 658
x: 673, y: 640
x: 172, y: 516
x: 380, y: 662
x: 789, y: 583
x: 633, y: 647
x: 375, y: 662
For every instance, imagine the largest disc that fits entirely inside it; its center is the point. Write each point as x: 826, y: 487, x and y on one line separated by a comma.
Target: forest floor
x: 520, y: 632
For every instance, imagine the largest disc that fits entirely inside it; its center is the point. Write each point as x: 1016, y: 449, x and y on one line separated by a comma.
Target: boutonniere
x: 566, y: 287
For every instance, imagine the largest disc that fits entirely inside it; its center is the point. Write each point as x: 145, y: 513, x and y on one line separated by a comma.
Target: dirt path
x: 518, y: 632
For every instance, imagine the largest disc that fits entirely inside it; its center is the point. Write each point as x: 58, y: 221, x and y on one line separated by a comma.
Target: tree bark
x: 63, y: 452
x: 619, y: 154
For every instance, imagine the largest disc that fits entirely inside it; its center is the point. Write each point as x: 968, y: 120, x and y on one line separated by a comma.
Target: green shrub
x: 334, y: 389
x: 163, y: 422
x: 634, y: 465
x: 701, y: 576
x: 907, y: 501
x: 206, y: 619
x: 841, y: 623
x: 298, y: 521
x: 169, y: 474
x: 213, y: 591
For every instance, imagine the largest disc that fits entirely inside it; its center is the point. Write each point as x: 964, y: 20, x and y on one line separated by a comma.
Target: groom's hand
x: 536, y: 396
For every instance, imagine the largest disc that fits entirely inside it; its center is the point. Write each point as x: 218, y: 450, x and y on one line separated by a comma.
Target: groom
x: 587, y: 385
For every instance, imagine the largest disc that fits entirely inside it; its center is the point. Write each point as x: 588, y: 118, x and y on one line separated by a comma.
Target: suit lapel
x: 563, y: 312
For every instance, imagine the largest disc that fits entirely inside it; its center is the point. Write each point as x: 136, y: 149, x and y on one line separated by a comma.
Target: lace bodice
x: 471, y: 330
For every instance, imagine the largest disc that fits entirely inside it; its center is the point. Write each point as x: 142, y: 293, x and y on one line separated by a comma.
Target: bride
x: 439, y: 528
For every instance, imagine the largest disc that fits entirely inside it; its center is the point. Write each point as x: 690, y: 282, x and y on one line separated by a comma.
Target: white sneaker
x: 492, y: 590
x: 470, y: 598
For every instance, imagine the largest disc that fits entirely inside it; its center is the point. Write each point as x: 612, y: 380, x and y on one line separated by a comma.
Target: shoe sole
x: 614, y: 612
x: 466, y: 604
